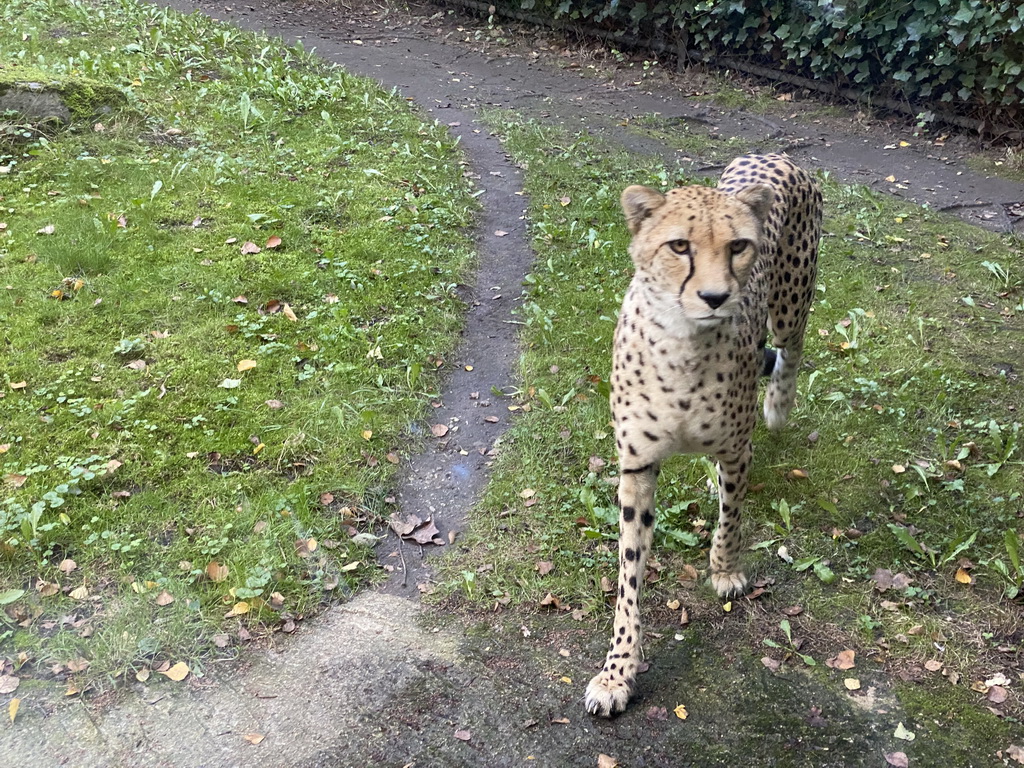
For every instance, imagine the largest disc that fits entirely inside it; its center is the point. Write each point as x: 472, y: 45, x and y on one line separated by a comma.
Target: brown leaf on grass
x: 885, y: 579
x: 842, y: 660
x: 222, y: 640
x: 250, y: 247
x: 143, y: 674
x: 463, y: 735
x: 771, y: 663
x: 550, y: 601
x: 1015, y: 753
x: 544, y: 567
x: 18, y: 384
x: 137, y: 365
x: 596, y: 464
x: 792, y: 610
x: 216, y: 572
x: 273, y: 242
x: 797, y: 474
x: 288, y: 312
x: 688, y: 576
x: 47, y: 588
x: 274, y: 405
x: 245, y: 365
x: 933, y: 665
x: 963, y: 577
x: 238, y: 609
x: 439, y: 430
x: 897, y: 759
x: 305, y: 547
x: 9, y: 683
x: 15, y: 480
x: 996, y: 694
x: 78, y: 665
x: 47, y: 230
x: 164, y: 598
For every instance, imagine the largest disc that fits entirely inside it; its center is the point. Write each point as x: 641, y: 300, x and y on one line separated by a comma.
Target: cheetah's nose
x: 713, y: 300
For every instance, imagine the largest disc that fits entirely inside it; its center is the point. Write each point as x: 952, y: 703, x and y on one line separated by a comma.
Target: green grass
x: 134, y: 449
x: 907, y: 426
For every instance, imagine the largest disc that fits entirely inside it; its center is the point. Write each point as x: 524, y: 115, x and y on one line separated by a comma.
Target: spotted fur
x: 716, y: 270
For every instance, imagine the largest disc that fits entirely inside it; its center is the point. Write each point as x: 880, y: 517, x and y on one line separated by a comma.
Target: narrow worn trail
x: 381, y: 681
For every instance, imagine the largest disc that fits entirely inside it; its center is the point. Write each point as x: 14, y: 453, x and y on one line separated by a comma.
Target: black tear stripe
x: 683, y: 286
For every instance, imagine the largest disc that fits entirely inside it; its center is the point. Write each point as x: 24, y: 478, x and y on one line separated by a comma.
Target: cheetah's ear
x: 639, y: 203
x: 760, y: 198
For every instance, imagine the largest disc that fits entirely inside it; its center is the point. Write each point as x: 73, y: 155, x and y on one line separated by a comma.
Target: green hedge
x: 962, y: 56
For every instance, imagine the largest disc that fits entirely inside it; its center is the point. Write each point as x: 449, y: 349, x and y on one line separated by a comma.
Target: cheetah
x: 715, y: 270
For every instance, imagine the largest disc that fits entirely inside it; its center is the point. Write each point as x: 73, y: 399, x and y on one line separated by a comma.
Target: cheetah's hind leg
x: 780, y: 394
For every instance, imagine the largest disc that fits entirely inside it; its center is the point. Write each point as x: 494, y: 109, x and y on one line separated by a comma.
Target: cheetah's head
x: 694, y: 248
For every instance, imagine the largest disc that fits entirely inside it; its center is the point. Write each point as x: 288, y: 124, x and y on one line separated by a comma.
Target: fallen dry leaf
x: 606, y: 761
x: 463, y: 735
x: 288, y: 312
x: 216, y: 572
x: 963, y: 576
x: 273, y: 405
x: 439, y: 430
x: 885, y: 579
x: 681, y: 712
x: 12, y: 708
x: 143, y: 674
x: 1015, y: 753
x: 897, y: 759
x: 902, y: 733
x: 177, y: 673
x: 250, y: 247
x: 9, y: 683
x: 852, y: 684
x: 273, y: 242
x: 79, y: 593
x: 254, y: 738
x: 842, y: 660
x: 771, y: 663
x: 245, y: 365
x: 996, y: 694
x: 164, y: 598
x: 544, y: 567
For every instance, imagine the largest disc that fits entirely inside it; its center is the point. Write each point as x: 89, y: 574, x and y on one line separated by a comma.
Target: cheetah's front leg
x: 727, y: 575
x: 609, y: 691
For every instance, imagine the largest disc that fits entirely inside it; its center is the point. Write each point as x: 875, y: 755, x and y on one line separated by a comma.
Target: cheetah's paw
x: 776, y: 414
x: 729, y: 583
x: 606, y: 697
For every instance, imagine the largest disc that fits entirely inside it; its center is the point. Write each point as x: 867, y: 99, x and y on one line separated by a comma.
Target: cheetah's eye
x: 738, y: 246
x: 679, y: 246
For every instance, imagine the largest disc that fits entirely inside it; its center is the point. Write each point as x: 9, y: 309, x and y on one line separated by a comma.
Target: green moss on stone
x: 83, y: 96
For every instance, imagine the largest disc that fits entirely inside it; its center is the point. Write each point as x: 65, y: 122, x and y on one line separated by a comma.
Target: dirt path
x: 381, y: 681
